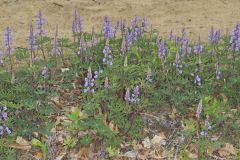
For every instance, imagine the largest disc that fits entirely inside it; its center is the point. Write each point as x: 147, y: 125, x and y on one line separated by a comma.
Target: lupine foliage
x: 139, y: 71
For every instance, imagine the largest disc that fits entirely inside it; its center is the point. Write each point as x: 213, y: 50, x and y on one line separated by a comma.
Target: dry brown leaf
x: 226, y: 150
x: 146, y: 143
x: 159, y: 139
x: 19, y: 146
x: 192, y: 151
x: 38, y: 155
x: 21, y: 141
x: 83, y: 152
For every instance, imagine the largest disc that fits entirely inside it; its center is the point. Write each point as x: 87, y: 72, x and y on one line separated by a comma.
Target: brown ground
x: 196, y: 15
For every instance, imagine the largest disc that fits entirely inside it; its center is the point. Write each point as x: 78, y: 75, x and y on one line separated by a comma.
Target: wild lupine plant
x: 124, y: 90
x: 4, y: 130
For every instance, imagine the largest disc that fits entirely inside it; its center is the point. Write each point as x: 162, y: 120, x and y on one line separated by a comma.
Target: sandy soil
x: 196, y: 15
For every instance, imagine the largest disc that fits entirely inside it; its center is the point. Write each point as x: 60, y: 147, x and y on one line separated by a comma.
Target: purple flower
x: 107, y: 30
x: 129, y: 38
x: 217, y: 72
x: 235, y: 38
x: 207, y: 123
x: 197, y: 81
x: 8, y: 41
x: 198, y: 48
x: 144, y: 23
x: 161, y: 49
x: 81, y: 46
x: 214, y: 37
x: 55, y: 49
x: 31, y: 40
x: 177, y: 64
x: 135, y: 95
x: 134, y: 22
x: 127, y: 95
x: 89, y: 82
x: 76, y: 23
x: 123, y: 47
x: 44, y: 72
x: 39, y: 24
x: 199, y: 110
x: 184, y: 49
x: 149, y: 75
x: 107, y: 55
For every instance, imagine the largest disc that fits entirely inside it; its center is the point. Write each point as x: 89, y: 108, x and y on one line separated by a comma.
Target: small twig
x: 59, y: 5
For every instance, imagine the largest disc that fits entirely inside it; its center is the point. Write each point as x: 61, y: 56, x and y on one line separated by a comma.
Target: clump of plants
x: 111, y: 77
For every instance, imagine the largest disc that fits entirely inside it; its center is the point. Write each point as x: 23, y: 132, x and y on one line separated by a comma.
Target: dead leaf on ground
x: 192, y: 151
x: 226, y: 150
x: 21, y: 144
x: 146, y: 143
x: 159, y: 139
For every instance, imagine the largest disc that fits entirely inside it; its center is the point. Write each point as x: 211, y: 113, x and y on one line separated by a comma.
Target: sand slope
x: 196, y: 15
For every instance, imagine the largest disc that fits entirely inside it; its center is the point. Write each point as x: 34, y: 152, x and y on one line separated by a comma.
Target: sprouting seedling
x: 37, y: 143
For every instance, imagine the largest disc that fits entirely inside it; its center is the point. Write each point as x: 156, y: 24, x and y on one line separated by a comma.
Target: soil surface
x: 197, y: 16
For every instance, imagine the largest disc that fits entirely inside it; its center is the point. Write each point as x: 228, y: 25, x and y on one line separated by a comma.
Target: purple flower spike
x: 76, y: 23
x: 107, y: 29
x: 8, y: 41
x: 81, y: 46
x: 144, y: 23
x: 123, y: 47
x: 31, y: 40
x: 217, y: 72
x: 127, y: 95
x: 197, y: 81
x: 177, y: 64
x: 235, y: 38
x: 198, y: 48
x: 134, y: 22
x: 161, y: 49
x: 39, y: 24
x: 107, y: 55
x: 89, y: 82
x: 214, y: 37
x: 135, y: 94
x: 55, y: 49
x: 44, y: 72
x: 129, y: 38
x: 149, y: 75
x: 171, y: 36
x: 199, y: 110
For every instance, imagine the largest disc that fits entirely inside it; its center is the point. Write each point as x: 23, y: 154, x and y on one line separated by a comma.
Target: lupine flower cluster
x: 177, y: 64
x: 76, y: 23
x: 89, y: 82
x: 31, y: 40
x: 4, y: 130
x: 123, y: 47
x: 235, y: 38
x: 44, y: 72
x: 129, y: 38
x: 81, y: 46
x: 107, y: 29
x: 8, y: 41
x: 149, y: 75
x: 55, y: 49
x: 39, y: 24
x: 134, y: 98
x: 197, y: 79
x: 107, y: 55
x: 198, y: 47
x: 214, y: 36
x: 161, y: 49
x: 97, y: 74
